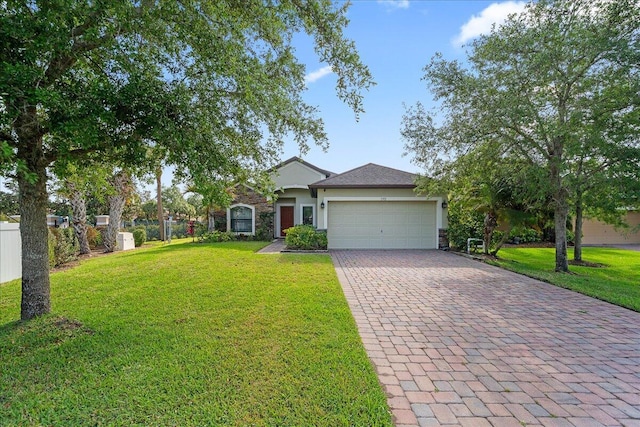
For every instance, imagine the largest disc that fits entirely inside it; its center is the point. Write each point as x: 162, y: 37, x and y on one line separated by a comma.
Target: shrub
x: 464, y: 223
x: 139, y: 236
x: 217, y: 236
x: 525, y: 235
x: 220, y: 223
x: 265, y: 229
x: 496, y: 237
x: 179, y: 230
x: 94, y: 237
x: 305, y: 237
x: 153, y: 231
x: 244, y: 237
x: 201, y: 230
x: 65, y: 246
x: 52, y: 249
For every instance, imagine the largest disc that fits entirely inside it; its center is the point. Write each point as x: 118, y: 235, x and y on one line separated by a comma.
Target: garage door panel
x: 382, y: 225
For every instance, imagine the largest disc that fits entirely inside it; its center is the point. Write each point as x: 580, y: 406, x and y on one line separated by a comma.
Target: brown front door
x: 286, y: 219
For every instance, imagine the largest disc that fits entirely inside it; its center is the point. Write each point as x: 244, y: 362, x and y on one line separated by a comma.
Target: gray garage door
x: 382, y: 225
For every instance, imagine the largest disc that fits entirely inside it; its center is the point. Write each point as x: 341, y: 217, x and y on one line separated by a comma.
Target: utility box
x: 125, y: 242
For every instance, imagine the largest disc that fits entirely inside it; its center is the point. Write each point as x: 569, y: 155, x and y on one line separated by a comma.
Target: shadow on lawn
x: 41, y: 332
x: 189, y: 246
x: 8, y: 328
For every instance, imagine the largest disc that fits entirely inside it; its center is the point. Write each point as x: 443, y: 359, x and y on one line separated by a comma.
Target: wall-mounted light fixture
x: 444, y: 205
x: 321, y: 205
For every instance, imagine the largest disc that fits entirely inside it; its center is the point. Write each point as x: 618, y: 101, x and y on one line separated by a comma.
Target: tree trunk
x: 560, y: 221
x: 79, y: 210
x: 121, y: 184
x: 577, y: 248
x: 34, y: 233
x: 159, y: 202
x: 36, y: 298
x: 560, y: 204
x: 211, y: 223
x: 502, y: 241
x: 490, y: 224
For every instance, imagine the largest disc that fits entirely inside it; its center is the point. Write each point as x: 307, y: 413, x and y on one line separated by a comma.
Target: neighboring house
x: 596, y: 232
x: 369, y: 207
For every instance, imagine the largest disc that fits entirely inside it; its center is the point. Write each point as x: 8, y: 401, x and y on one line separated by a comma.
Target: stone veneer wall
x: 247, y: 196
x: 443, y: 239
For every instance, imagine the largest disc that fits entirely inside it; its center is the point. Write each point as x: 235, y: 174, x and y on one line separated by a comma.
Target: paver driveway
x: 458, y: 342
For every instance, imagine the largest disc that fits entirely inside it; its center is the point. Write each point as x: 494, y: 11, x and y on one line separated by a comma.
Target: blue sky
x: 395, y: 39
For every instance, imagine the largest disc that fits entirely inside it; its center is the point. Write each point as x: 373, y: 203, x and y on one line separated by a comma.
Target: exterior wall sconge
x: 444, y: 205
x: 321, y: 205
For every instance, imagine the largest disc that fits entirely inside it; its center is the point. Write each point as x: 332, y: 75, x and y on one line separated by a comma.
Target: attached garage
x: 382, y: 224
x: 376, y: 207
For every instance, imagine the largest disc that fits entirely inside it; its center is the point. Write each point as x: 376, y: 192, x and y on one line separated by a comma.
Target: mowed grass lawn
x: 617, y: 281
x: 189, y: 335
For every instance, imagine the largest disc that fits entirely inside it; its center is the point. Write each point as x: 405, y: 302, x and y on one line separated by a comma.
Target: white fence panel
x: 10, y: 252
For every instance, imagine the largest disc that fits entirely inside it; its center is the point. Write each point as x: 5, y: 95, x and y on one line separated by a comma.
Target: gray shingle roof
x: 369, y: 176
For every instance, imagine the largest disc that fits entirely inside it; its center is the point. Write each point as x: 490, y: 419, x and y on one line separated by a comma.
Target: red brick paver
x: 458, y: 342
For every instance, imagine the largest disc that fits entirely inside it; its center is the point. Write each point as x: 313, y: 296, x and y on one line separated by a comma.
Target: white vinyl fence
x: 10, y: 252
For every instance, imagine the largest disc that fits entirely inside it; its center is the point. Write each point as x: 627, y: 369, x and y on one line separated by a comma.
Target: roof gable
x: 296, y: 173
x: 369, y: 176
x: 299, y: 160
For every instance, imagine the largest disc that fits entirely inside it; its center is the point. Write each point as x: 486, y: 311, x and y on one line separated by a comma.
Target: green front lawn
x: 617, y: 282
x: 189, y: 335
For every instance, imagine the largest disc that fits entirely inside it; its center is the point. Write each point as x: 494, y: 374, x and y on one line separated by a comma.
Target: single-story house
x: 596, y: 232
x: 369, y: 207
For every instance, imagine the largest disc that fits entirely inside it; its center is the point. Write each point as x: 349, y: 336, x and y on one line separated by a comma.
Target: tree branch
x: 61, y: 63
x: 92, y: 19
x: 7, y: 137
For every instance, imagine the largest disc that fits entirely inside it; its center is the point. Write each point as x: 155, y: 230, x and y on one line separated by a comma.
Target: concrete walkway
x: 458, y: 342
x: 274, y: 247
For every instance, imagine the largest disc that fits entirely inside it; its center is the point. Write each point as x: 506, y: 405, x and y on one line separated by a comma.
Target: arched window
x: 241, y: 219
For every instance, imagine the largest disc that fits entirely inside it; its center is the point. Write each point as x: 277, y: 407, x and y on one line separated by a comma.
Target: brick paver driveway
x: 458, y: 342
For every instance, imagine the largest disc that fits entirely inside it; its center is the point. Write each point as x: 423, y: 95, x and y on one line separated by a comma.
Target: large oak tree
x: 556, y: 85
x: 214, y: 83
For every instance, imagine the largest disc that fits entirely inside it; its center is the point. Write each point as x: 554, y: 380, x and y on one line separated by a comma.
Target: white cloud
x: 318, y: 74
x: 495, y: 13
x: 396, y: 4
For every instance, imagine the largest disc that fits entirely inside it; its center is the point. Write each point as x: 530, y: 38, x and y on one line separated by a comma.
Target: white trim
x: 302, y: 206
x: 289, y: 187
x: 278, y: 205
x: 438, y: 201
x: 253, y: 217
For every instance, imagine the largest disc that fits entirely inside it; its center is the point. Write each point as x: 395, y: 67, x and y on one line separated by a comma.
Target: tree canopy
x: 215, y: 84
x: 556, y: 85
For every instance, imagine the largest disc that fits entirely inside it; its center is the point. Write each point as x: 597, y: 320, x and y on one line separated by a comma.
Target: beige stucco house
x: 369, y: 207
